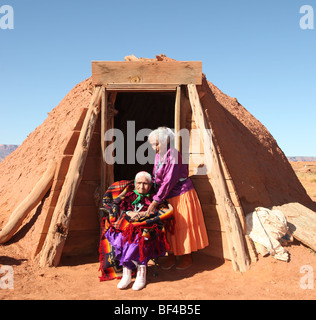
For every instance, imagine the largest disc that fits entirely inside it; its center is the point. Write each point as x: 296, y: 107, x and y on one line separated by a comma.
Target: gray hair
x: 145, y: 174
x: 162, y: 134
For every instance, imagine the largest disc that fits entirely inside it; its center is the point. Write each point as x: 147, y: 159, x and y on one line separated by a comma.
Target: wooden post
x: 227, y: 210
x: 29, y: 203
x: 59, y: 227
x: 111, y: 112
x: 104, y: 117
x: 177, y: 120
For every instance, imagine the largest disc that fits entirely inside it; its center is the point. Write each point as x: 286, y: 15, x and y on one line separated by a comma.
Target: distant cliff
x: 302, y: 158
x: 6, y: 149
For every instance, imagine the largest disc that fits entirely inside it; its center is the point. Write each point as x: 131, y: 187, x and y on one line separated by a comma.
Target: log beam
x: 29, y: 203
x: 233, y: 229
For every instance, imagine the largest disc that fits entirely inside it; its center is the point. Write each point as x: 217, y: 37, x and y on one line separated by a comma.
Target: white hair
x: 145, y: 174
x: 162, y: 135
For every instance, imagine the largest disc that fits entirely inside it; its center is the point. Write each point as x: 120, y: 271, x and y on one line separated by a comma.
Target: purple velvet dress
x: 171, y: 175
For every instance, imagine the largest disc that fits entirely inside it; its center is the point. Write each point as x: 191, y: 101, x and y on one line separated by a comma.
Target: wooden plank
x: 233, y: 193
x: 233, y: 230
x: 186, y: 113
x: 109, y: 172
x: 301, y: 222
x: 85, y: 193
x: 177, y: 120
x: 58, y: 231
x: 196, y: 146
x: 81, y: 242
x: 92, y: 170
x: 235, y: 199
x: 72, y: 142
x: 80, y: 121
x: 230, y: 185
x: 62, y: 167
x: 94, y: 149
x: 42, y: 231
x: 104, y: 117
x: 147, y: 72
x: 204, y: 132
x: 218, y: 245
x: 212, y: 218
x: 197, y: 164
x: 207, y: 197
x: 54, y: 197
x: 141, y: 87
x: 84, y: 218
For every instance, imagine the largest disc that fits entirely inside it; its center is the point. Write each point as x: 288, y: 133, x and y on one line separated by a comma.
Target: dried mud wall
x: 20, y: 171
x: 260, y: 170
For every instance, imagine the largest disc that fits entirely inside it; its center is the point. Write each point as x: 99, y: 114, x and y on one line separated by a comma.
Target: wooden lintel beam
x: 146, y: 72
x: 141, y: 87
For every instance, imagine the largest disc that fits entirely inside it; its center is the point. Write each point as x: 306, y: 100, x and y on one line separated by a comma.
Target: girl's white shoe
x: 126, y: 278
x: 140, y: 281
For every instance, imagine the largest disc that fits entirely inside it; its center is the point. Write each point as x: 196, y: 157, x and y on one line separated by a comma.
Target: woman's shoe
x: 140, y: 281
x: 169, y: 263
x: 126, y: 279
x: 185, y: 262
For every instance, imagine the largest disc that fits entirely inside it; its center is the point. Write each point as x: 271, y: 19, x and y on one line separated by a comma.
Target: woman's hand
x: 136, y: 215
x: 152, y: 207
x: 133, y: 214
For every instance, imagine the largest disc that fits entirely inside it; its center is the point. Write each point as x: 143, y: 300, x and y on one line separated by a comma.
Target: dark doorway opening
x: 136, y: 111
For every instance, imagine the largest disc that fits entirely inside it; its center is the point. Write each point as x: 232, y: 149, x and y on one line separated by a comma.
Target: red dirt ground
x: 208, y: 279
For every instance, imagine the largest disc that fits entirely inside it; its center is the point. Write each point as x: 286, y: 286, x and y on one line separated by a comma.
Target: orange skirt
x: 189, y: 229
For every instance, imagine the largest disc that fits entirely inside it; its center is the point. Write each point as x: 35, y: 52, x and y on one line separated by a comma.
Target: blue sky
x: 252, y: 50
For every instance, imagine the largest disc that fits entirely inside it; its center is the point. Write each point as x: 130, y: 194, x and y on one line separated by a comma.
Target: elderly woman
x: 170, y: 176
x: 132, y: 248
